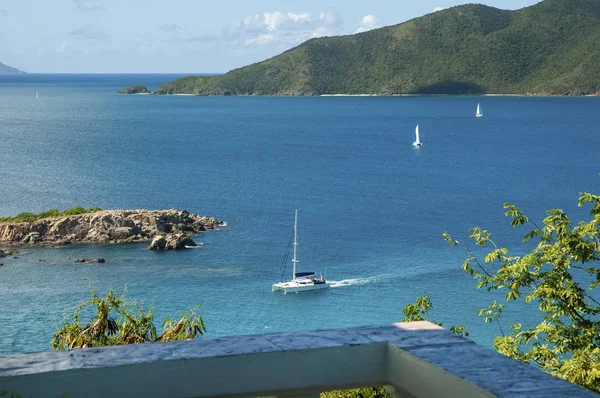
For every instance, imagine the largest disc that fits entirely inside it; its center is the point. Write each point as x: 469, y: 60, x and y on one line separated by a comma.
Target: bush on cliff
x: 52, y: 213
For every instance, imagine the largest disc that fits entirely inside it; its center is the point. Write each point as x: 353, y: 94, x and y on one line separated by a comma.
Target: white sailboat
x: 417, y: 142
x: 37, y: 95
x: 478, y: 113
x: 301, y: 281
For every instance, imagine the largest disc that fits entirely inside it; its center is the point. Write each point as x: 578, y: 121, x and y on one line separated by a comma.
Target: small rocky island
x: 135, y: 89
x: 165, y: 229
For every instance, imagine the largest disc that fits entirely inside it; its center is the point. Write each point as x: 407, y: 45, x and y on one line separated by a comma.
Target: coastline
x: 378, y: 95
x: 455, y: 95
x: 174, y: 227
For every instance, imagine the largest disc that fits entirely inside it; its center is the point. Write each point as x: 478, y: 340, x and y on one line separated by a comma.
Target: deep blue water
x: 371, y: 207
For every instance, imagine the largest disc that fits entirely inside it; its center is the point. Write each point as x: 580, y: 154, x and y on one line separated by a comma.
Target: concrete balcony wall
x: 416, y: 359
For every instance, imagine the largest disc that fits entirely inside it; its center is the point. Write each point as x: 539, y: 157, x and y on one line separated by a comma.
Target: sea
x: 371, y: 207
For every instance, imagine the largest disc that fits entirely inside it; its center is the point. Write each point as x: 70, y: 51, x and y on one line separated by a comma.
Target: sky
x: 185, y: 36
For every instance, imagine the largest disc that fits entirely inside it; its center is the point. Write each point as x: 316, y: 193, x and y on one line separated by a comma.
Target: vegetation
x: 52, y: 213
x: 560, y: 276
x: 552, y: 47
x: 367, y: 392
x: 136, y: 89
x: 119, y: 322
x: 116, y: 321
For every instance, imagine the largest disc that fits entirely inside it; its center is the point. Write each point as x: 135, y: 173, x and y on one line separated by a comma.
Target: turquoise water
x: 371, y: 207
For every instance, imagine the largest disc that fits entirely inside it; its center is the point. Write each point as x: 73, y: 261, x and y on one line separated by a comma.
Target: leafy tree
x: 119, y: 322
x: 560, y: 276
x: 419, y: 311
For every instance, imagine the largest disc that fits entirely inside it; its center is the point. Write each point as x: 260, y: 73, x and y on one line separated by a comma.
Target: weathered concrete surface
x: 418, y: 359
x: 106, y: 226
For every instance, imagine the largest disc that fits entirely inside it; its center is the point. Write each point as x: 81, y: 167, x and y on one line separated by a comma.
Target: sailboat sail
x: 417, y: 142
x: 478, y: 113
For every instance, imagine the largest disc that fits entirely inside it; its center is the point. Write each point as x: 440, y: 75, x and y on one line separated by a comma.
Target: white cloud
x: 88, y: 33
x: 436, y: 9
x: 273, y: 19
x: 282, y: 28
x: 368, y: 22
x: 320, y: 32
x: 87, y: 5
x: 276, y: 30
x: 305, y: 17
x: 328, y: 18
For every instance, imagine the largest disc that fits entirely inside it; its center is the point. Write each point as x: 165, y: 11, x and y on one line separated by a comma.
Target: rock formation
x: 8, y: 252
x: 109, y: 226
x: 89, y: 260
x: 171, y: 242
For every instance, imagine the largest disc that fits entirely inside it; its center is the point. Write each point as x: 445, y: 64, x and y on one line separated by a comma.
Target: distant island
x: 551, y: 48
x: 166, y: 229
x: 5, y: 69
x: 135, y: 89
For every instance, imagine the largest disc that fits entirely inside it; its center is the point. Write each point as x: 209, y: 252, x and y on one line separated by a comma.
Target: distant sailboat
x: 478, y: 113
x: 37, y: 95
x: 417, y: 142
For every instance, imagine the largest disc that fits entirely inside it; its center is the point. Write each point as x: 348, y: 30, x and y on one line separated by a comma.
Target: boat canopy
x: 304, y: 274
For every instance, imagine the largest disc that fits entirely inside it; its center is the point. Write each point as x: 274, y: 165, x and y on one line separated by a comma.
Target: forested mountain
x: 550, y: 48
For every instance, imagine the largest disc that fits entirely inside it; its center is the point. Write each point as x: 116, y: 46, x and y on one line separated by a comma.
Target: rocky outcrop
x: 109, y: 226
x: 171, y: 242
x: 8, y: 252
x: 89, y: 260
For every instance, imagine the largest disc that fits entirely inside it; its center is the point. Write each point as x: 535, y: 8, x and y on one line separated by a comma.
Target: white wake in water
x: 360, y: 281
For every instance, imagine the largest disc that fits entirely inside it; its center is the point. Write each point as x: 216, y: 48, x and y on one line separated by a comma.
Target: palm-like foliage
x: 118, y: 322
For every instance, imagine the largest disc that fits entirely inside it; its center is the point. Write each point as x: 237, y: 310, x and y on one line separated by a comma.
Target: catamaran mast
x: 294, y: 261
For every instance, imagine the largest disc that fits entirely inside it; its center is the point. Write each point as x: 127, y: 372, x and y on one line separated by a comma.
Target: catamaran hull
x: 292, y: 288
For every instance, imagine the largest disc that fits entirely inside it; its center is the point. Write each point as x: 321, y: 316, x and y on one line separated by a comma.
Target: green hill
x: 136, y: 89
x: 5, y: 69
x: 550, y: 48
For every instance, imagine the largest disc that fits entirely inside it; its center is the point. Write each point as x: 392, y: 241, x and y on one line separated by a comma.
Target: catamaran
x: 478, y: 113
x: 417, y: 142
x: 301, y: 281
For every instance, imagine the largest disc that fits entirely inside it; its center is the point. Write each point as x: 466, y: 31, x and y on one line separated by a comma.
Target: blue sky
x: 184, y: 36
